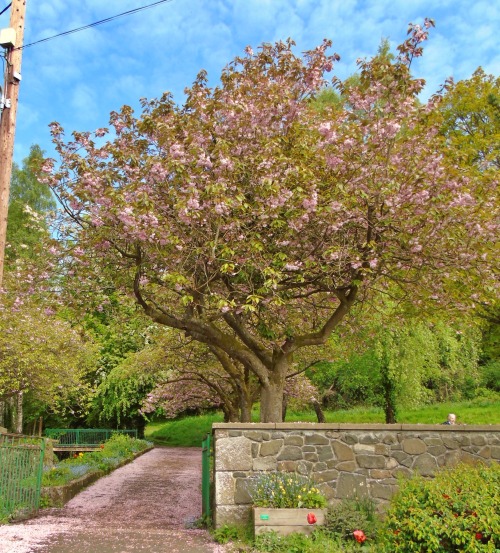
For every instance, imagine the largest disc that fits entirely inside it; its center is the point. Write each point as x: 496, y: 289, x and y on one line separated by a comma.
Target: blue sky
x: 78, y: 79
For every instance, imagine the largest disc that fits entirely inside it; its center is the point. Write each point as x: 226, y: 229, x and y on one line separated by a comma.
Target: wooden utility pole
x: 8, y: 119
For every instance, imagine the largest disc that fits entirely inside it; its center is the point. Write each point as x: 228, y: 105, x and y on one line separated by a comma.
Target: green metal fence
x: 21, y: 467
x: 206, y: 451
x: 89, y: 437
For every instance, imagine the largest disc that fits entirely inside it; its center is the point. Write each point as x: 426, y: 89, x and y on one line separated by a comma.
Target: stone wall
x: 343, y: 459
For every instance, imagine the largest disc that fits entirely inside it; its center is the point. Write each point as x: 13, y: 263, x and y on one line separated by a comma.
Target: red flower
x: 311, y: 518
x: 359, y: 536
x: 479, y: 536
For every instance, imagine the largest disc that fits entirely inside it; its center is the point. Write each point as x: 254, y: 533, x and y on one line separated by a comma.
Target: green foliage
x: 401, y: 366
x: 285, y: 490
x: 353, y: 514
x: 232, y: 533
x: 29, y: 203
x: 317, y: 542
x: 490, y: 375
x: 185, y: 432
x: 457, y: 511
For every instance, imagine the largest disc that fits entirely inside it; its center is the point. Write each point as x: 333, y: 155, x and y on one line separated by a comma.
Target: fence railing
x: 206, y: 450
x: 89, y: 437
x: 21, y: 467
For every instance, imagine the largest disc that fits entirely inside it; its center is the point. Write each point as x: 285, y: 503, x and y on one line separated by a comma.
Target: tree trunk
x: 271, y: 395
x: 19, y: 413
x: 319, y: 412
x: 245, y: 408
x: 284, y: 408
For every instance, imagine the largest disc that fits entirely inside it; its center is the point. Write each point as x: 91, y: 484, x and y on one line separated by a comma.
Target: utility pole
x: 8, y: 118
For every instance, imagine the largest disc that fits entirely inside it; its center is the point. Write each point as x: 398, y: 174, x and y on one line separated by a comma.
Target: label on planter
x: 264, y: 517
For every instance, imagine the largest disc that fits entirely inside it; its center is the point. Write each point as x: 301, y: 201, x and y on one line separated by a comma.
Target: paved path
x: 141, y: 507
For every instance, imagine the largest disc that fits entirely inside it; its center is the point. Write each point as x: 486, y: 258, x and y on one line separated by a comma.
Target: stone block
x: 436, y: 450
x: 255, y: 449
x: 433, y: 440
x: 265, y: 463
x: 351, y: 485
x: 325, y: 453
x: 478, y: 439
x: 495, y: 452
x: 368, y: 439
x: 310, y: 456
x: 451, y: 443
x: 270, y: 448
x: 391, y: 463
x: 317, y: 439
x: 239, y: 515
x: 371, y: 461
x: 290, y: 453
x: 287, y: 466
x: 253, y: 435
x: 390, y: 439
x: 382, y: 449
x: 414, y: 446
x: 304, y: 467
x: 402, y: 472
x: 325, y: 476
x: 242, y: 491
x: 346, y: 466
x: 381, y: 491
x: 425, y: 464
x: 294, y: 440
x: 233, y: 454
x: 224, y: 488
x: 452, y: 458
x: 363, y: 448
x: 485, y: 452
x: 380, y: 474
x: 342, y: 451
x: 350, y: 438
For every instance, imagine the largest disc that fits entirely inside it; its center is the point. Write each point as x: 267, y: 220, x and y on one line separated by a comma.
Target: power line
x: 107, y: 20
x: 6, y: 8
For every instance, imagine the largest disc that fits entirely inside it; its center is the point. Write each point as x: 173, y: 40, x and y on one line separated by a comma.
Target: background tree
x: 402, y: 365
x: 253, y: 223
x: 470, y: 113
x: 30, y: 202
x: 43, y: 357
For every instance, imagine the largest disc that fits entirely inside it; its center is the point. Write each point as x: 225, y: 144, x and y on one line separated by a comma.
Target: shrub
x: 351, y: 515
x: 455, y: 512
x: 317, y: 542
x: 286, y: 490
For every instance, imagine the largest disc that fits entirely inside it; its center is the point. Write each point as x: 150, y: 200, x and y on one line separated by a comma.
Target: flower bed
x: 286, y: 503
x: 68, y: 477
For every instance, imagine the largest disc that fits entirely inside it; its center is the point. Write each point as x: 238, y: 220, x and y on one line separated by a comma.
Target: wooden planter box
x: 286, y: 521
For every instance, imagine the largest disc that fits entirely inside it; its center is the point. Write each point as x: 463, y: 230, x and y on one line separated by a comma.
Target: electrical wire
x: 107, y: 20
x: 6, y: 8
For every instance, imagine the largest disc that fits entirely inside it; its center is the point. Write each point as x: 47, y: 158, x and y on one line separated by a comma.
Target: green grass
x: 190, y: 431
x: 185, y: 432
x: 478, y: 411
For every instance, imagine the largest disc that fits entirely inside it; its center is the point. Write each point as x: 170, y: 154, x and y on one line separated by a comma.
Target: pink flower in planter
x: 359, y: 536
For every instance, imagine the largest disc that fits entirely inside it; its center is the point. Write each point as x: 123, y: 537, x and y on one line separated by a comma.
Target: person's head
x: 452, y: 419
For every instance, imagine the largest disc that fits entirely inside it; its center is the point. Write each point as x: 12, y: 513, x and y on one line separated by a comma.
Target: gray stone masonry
x: 345, y: 460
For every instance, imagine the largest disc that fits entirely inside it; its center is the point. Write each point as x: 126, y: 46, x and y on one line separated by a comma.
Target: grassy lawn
x: 190, y: 431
